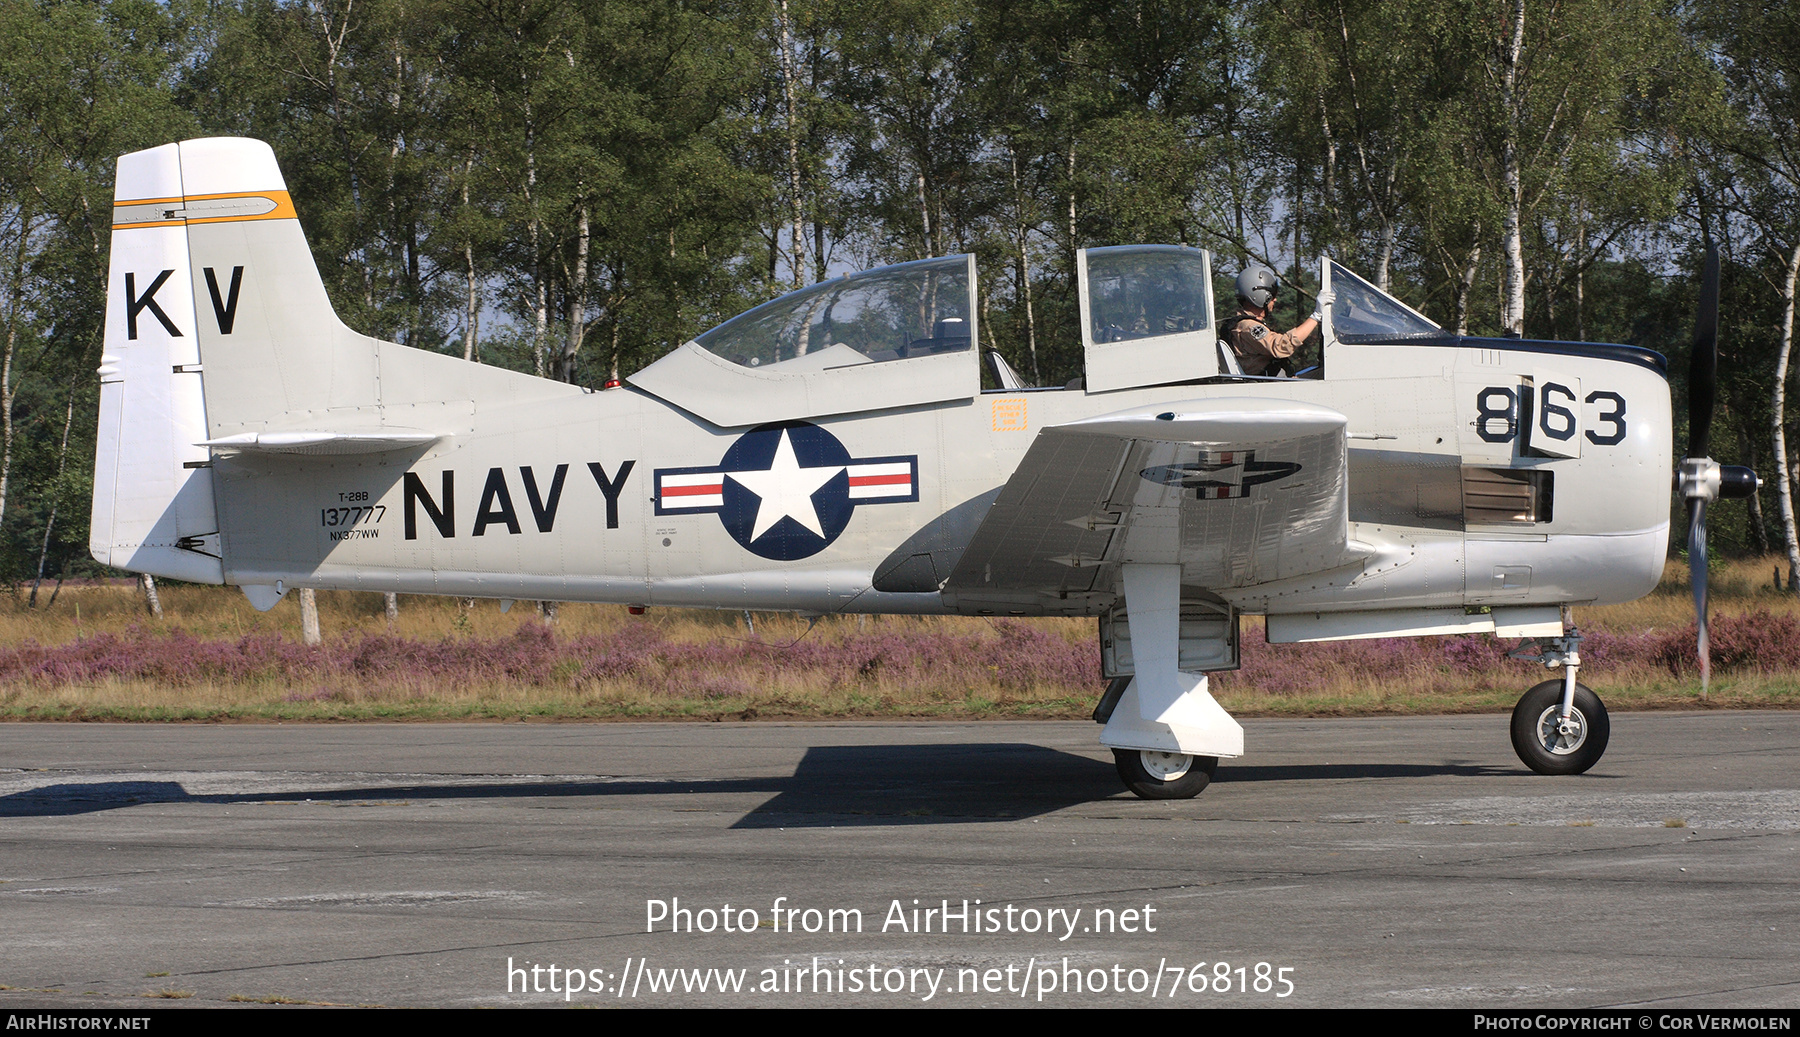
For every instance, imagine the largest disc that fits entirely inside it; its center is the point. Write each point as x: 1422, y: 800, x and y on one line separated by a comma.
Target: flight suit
x: 1257, y: 345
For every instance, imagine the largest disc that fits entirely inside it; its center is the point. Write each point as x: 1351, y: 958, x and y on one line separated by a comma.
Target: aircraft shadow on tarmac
x: 1347, y: 771
x: 834, y: 785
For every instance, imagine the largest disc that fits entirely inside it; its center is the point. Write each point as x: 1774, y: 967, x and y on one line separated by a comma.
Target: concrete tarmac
x: 1369, y: 862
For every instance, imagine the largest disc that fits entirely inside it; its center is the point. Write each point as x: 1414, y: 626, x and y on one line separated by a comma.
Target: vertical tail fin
x: 153, y: 497
x: 208, y: 264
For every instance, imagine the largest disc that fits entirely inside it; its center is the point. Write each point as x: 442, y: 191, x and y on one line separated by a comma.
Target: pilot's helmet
x: 1257, y: 285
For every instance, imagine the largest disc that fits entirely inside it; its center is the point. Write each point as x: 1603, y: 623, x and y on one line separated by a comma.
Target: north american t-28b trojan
x: 833, y: 451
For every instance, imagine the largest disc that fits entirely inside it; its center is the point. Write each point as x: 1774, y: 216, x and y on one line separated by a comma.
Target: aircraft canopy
x: 899, y: 336
x: 1365, y: 313
x: 893, y: 313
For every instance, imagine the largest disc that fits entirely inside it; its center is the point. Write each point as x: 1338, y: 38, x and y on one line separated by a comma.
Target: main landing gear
x: 1167, y: 733
x: 1559, y: 726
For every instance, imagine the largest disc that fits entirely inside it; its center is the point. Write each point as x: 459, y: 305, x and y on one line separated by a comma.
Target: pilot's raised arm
x: 1256, y: 344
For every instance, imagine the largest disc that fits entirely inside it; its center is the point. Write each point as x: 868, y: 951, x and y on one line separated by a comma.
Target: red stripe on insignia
x: 694, y: 491
x: 880, y: 480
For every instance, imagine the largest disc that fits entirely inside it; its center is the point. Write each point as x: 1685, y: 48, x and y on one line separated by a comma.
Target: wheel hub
x: 1165, y: 766
x: 1561, y: 736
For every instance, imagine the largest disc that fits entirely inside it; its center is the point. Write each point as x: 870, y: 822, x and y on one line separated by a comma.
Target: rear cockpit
x: 893, y: 313
x: 897, y: 336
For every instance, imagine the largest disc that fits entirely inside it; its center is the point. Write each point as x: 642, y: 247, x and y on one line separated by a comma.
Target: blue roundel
x: 786, y: 490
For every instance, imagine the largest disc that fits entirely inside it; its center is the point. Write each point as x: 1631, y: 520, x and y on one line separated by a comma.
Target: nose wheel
x: 1549, y: 742
x: 1157, y: 775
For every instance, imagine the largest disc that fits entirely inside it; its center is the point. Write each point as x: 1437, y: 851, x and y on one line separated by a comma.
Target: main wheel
x: 1550, y: 745
x: 1155, y: 775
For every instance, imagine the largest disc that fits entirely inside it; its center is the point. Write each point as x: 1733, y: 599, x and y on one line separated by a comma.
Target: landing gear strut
x: 1166, y: 731
x: 1559, y: 726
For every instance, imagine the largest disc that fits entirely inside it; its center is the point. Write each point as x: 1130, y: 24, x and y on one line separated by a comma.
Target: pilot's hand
x: 1325, y: 299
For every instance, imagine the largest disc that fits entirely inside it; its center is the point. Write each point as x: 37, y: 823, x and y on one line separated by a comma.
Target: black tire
x: 1539, y: 743
x: 1148, y: 783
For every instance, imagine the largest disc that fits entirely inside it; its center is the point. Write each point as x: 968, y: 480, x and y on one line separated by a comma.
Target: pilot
x: 1258, y: 346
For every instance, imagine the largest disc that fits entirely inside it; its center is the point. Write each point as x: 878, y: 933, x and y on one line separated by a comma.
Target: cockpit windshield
x: 1365, y: 313
x: 893, y: 313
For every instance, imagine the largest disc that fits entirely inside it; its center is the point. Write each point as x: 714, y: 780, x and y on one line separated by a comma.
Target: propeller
x: 1703, y: 480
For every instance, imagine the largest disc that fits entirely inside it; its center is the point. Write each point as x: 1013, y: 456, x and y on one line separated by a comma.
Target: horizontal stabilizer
x: 319, y: 442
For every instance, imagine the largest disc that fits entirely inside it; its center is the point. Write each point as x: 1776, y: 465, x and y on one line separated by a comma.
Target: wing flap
x: 1237, y: 491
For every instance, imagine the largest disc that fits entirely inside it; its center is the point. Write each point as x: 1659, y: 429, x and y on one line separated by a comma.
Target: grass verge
x: 93, y: 656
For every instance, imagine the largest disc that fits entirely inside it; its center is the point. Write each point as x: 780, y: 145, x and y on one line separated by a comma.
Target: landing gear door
x: 1146, y: 316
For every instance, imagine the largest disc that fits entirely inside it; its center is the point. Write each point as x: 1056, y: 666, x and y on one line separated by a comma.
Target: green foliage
x: 80, y: 84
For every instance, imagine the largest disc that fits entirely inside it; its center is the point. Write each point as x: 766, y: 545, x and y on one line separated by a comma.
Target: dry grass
x: 704, y: 665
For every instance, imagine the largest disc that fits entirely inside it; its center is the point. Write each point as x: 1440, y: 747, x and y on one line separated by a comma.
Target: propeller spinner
x: 1703, y: 480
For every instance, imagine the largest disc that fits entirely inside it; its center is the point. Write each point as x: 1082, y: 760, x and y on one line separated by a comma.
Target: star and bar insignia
x: 787, y: 490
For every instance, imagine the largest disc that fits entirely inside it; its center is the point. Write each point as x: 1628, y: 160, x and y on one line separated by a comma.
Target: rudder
x: 153, y: 498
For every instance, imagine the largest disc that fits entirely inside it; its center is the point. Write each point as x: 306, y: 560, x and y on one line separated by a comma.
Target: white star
x: 1232, y: 473
x: 786, y: 489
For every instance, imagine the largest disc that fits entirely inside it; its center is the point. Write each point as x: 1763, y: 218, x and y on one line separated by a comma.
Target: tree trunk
x: 472, y: 304
x: 576, y: 309
x: 1298, y: 202
x: 1757, y: 528
x: 1328, y: 199
x: 1383, y: 265
x: 390, y: 606
x: 1021, y: 229
x: 1465, y: 285
x: 152, y: 600
x: 309, y: 616
x: 1581, y: 279
x: 925, y: 216
x: 16, y: 297
x: 1073, y: 243
x: 1783, y: 482
x: 540, y: 309
x: 62, y: 462
x: 1512, y: 313
x: 334, y: 35
x: 793, y: 149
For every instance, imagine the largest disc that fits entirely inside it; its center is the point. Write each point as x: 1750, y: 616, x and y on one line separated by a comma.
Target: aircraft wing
x: 1237, y: 491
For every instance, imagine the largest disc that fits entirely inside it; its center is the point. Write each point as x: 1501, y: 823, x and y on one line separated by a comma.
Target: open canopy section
x: 1147, y: 316
x: 1365, y: 313
x: 891, y: 337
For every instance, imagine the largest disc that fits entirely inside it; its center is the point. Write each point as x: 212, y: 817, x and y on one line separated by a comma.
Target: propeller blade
x: 1703, y: 362
x: 1703, y: 388
x: 1697, y: 580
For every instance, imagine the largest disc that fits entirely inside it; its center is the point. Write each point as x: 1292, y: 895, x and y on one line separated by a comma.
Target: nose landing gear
x: 1559, y: 726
